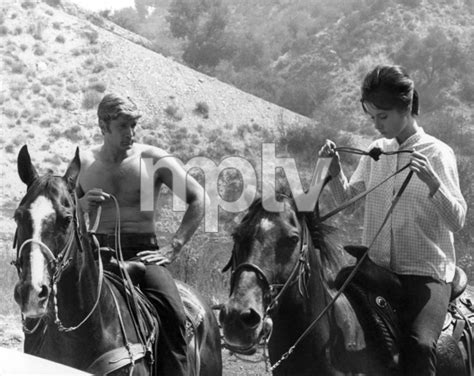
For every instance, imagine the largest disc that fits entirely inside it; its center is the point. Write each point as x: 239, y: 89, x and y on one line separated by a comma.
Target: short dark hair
x: 390, y: 87
x: 112, y: 106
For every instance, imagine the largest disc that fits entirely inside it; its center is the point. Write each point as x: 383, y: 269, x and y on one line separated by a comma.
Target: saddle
x: 374, y: 297
x: 135, y: 268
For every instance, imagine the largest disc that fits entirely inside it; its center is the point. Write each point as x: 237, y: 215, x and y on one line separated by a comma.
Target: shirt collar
x: 413, y: 139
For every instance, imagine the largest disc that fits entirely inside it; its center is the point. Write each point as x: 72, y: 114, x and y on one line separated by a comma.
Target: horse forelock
x: 54, y: 188
x: 47, y: 200
x: 322, y: 235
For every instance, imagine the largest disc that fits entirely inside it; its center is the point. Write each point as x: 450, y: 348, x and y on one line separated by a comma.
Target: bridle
x: 272, y: 292
x: 375, y: 154
x: 59, y: 264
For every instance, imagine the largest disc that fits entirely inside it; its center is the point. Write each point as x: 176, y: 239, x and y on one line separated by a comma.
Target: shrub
x: 45, y: 123
x: 91, y: 99
x: 10, y: 112
x: 60, y: 39
x: 98, y: 68
x: 39, y: 50
x: 28, y: 4
x: 3, y: 30
x: 68, y: 105
x: 91, y: 35
x: 57, y: 25
x: 72, y: 88
x: 18, y: 67
x: 173, y: 111
x: 36, y: 30
x: 98, y: 86
x: 202, y: 108
x: 74, y: 133
x: 96, y: 20
x: 88, y: 62
x: 53, y: 3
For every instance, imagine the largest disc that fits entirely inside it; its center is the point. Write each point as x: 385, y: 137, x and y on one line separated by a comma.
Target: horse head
x: 266, y: 259
x: 45, y: 233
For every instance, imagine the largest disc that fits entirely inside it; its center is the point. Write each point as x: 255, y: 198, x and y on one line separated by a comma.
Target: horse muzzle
x: 244, y: 329
x: 32, y: 299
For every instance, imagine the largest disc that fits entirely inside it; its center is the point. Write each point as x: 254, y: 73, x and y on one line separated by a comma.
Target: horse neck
x: 77, y: 288
x: 303, y: 302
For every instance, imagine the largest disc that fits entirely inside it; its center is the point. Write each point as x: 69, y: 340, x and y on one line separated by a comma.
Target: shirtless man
x: 113, y: 168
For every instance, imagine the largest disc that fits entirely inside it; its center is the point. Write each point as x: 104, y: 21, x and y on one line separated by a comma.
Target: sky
x: 97, y: 5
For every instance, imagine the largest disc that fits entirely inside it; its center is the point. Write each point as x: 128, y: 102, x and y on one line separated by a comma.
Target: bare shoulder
x: 149, y: 151
x: 88, y: 156
x: 159, y: 155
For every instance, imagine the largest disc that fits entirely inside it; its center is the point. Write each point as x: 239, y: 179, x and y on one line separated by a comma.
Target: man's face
x: 121, y: 132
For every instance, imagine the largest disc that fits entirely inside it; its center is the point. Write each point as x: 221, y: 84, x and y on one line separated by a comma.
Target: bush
x: 91, y: 99
x: 74, y: 133
x: 60, y: 39
x: 91, y: 35
x: 39, y: 50
x: 173, y: 111
x: 98, y: 86
x: 29, y: 4
x: 72, y: 88
x: 3, y: 30
x: 98, y: 68
x: 202, y: 108
x: 18, y: 67
x: 53, y: 3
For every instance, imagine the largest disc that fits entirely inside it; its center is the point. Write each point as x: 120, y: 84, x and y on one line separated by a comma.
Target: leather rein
x: 302, y: 264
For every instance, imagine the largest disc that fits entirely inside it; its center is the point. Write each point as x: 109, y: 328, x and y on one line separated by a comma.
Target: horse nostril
x: 250, y: 318
x: 44, y: 292
x: 222, y: 314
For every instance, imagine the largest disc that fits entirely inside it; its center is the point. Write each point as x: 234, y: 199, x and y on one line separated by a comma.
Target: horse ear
x: 72, y: 171
x: 26, y: 170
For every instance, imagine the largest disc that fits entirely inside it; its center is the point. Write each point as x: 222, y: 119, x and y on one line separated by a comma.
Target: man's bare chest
x: 120, y: 179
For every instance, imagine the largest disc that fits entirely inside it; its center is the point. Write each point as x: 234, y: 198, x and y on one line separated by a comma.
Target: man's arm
x: 173, y: 174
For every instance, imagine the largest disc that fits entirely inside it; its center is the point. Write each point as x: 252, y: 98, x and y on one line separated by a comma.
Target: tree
x: 202, y: 23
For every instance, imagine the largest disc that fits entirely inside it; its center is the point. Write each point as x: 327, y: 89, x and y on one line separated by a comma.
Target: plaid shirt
x: 418, y: 237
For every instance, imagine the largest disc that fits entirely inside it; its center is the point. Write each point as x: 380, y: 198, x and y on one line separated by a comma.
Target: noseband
x: 298, y: 274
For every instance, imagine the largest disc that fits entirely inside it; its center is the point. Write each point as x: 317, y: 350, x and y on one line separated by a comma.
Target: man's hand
x: 92, y: 199
x: 422, y: 166
x: 162, y: 256
x: 328, y: 151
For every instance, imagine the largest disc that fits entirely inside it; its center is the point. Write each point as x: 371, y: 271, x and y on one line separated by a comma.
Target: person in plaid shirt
x: 416, y: 243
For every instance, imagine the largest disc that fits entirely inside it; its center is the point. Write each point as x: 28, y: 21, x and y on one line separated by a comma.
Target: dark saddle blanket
x: 374, y: 296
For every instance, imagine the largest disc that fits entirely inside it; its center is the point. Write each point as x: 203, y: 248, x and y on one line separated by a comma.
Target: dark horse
x: 72, y: 311
x: 284, y: 275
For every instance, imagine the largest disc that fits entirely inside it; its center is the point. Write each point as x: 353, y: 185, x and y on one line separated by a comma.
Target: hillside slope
x: 57, y: 67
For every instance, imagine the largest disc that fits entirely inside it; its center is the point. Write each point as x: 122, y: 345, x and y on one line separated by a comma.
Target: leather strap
x: 116, y: 358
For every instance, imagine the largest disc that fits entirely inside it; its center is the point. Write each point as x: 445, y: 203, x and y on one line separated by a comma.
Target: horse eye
x: 65, y: 221
x: 294, y: 239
